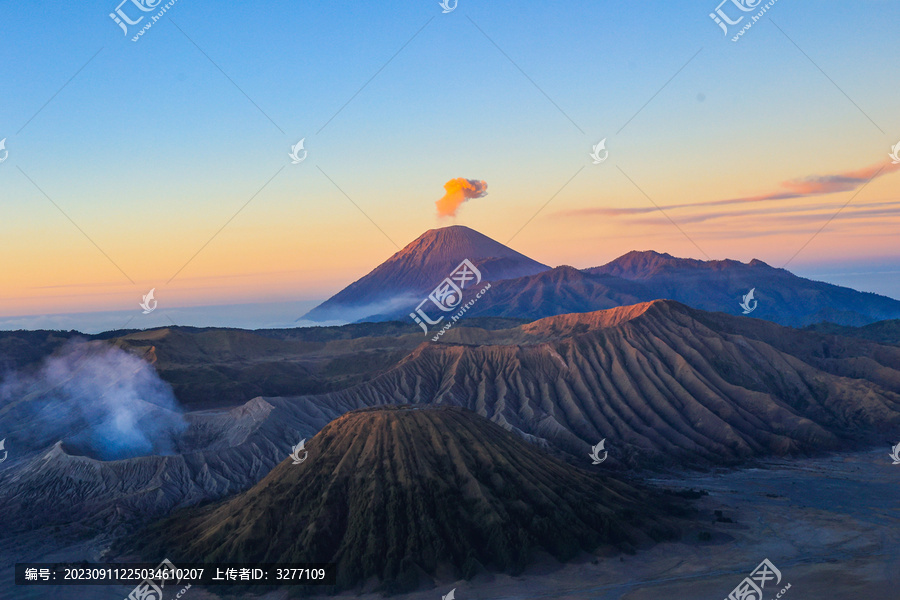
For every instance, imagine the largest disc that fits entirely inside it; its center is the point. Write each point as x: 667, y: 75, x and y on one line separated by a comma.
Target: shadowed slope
x: 211, y: 368
x: 718, y: 285
x: 396, y: 492
x: 882, y: 332
x: 558, y: 291
x: 665, y: 383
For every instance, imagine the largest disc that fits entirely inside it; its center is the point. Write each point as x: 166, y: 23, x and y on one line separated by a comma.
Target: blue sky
x: 150, y: 148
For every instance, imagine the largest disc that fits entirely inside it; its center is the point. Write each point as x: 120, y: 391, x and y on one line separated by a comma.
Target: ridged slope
x: 396, y: 492
x: 664, y: 383
x: 218, y: 455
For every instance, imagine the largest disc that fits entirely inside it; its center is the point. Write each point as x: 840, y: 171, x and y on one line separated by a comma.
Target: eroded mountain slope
x: 398, y: 493
x: 666, y: 384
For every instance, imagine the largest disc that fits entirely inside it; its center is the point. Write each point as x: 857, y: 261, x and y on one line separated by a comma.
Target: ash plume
x: 459, y: 190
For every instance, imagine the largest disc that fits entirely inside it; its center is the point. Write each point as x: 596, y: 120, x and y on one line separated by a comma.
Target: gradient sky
x: 150, y: 148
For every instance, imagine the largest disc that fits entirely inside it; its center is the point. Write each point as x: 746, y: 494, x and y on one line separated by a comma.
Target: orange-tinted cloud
x: 458, y: 191
x: 814, y: 185
x: 797, y: 213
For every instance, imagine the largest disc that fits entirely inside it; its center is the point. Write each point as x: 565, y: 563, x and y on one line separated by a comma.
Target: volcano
x: 403, y: 494
x: 397, y: 285
x: 527, y: 289
x: 718, y: 285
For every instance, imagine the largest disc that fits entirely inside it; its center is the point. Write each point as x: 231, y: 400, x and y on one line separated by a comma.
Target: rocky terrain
x: 215, y: 368
x: 664, y: 383
x: 99, y: 445
x: 402, y: 494
x: 883, y: 332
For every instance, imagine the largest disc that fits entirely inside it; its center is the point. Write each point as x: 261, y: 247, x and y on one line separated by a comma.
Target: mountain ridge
x: 674, y: 385
x: 668, y: 386
x: 717, y: 285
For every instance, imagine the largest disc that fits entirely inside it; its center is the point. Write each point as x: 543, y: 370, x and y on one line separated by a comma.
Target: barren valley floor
x: 830, y: 524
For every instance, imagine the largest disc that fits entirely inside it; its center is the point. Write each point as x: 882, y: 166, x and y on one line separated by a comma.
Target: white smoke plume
x: 99, y: 400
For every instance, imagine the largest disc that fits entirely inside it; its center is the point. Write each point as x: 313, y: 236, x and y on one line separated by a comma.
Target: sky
x: 164, y: 162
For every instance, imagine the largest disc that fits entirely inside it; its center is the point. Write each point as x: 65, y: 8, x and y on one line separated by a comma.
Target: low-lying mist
x: 99, y: 400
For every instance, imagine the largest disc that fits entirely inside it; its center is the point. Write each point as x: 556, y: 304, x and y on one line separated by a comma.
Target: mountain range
x: 667, y: 386
x: 470, y: 431
x: 672, y: 385
x: 433, y: 458
x: 524, y: 288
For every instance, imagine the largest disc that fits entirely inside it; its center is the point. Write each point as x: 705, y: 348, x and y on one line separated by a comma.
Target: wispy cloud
x: 813, y: 185
x: 793, y: 212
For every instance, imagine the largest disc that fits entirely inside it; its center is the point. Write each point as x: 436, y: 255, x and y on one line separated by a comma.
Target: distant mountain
x: 556, y: 292
x: 397, y: 285
x: 406, y: 494
x: 25, y: 349
x: 218, y: 367
x: 883, y: 332
x: 214, y: 368
x: 644, y: 265
x: 525, y: 289
x: 719, y: 285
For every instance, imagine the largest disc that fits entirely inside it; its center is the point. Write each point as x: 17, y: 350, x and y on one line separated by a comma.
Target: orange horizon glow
x: 272, y: 265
